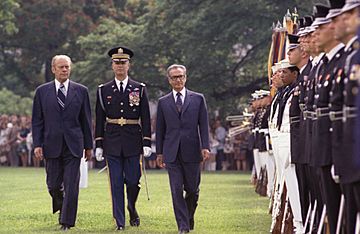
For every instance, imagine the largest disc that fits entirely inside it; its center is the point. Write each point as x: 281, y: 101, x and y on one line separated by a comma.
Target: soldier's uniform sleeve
x: 145, y: 117
x: 100, y: 118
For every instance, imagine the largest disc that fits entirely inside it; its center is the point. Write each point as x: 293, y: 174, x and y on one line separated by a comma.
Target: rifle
x: 341, y: 212
x: 322, y: 220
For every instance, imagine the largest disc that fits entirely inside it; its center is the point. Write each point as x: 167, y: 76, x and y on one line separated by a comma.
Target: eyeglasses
x: 180, y: 77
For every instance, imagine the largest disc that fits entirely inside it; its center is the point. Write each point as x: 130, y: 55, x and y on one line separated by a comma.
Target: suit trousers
x: 122, y: 170
x: 184, y: 176
x: 356, y: 189
x: 62, y: 179
x: 349, y: 209
x: 315, y: 192
x: 331, y: 196
x: 304, y: 190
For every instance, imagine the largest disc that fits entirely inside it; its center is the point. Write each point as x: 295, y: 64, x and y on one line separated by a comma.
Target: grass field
x: 228, y: 204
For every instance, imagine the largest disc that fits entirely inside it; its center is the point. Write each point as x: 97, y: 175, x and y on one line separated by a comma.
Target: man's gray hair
x: 175, y: 66
x: 58, y: 57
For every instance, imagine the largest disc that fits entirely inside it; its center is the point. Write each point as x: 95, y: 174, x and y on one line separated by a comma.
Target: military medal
x: 134, y: 98
x: 108, y: 98
x: 338, y: 79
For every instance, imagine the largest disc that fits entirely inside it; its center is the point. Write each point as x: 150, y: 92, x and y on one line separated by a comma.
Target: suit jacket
x: 187, y: 132
x: 52, y: 126
x: 132, y: 104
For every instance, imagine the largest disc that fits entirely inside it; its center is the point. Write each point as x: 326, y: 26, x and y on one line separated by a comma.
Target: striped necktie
x: 61, y: 96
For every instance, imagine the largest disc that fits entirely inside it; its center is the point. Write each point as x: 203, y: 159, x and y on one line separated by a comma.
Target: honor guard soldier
x: 299, y: 58
x: 321, y: 125
x: 122, y: 134
x: 340, y: 20
x: 320, y: 12
x: 348, y: 165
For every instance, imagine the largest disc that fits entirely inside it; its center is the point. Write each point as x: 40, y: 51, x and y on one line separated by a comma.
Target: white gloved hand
x: 333, y: 175
x: 99, y: 154
x: 147, y: 151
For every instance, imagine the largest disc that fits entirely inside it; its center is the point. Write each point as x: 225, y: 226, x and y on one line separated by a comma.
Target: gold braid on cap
x: 120, y: 55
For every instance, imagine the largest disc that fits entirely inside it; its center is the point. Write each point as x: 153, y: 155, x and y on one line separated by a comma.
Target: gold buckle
x: 121, y: 121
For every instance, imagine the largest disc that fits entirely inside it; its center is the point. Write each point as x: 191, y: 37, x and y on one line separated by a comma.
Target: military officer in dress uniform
x: 321, y: 125
x: 348, y: 38
x: 122, y: 134
x: 356, y: 185
x: 308, y: 42
x: 299, y: 58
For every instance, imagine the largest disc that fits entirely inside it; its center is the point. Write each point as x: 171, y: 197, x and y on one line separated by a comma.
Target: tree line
x: 224, y: 44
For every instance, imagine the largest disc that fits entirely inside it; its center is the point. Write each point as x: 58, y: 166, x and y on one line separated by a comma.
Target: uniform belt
x: 349, y: 112
x: 122, y: 121
x: 322, y: 111
x: 264, y: 130
x: 294, y: 119
x: 302, y: 107
x: 336, y: 115
x: 310, y: 115
x: 272, y: 126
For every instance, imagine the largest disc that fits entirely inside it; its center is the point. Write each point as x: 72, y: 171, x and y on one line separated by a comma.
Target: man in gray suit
x: 182, y: 143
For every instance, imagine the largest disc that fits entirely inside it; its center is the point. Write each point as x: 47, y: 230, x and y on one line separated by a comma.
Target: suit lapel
x: 71, y: 93
x: 187, y: 101
x: 51, y: 96
x: 171, y: 102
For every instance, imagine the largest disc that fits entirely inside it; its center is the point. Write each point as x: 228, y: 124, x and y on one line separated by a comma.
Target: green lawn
x: 228, y: 204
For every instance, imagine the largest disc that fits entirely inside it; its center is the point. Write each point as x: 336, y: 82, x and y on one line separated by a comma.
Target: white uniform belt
x: 322, y: 112
x: 294, y: 119
x: 310, y: 115
x: 336, y: 115
x: 349, y: 112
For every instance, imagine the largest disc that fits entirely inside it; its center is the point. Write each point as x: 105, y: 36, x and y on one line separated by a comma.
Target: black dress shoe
x: 191, y: 223
x: 60, y: 217
x: 135, y: 222
x: 120, y: 228
x: 134, y: 217
x: 183, y: 231
x: 64, y: 227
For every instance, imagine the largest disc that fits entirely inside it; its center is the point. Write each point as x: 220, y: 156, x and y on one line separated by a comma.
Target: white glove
x: 99, y: 154
x: 333, y: 175
x: 147, y: 151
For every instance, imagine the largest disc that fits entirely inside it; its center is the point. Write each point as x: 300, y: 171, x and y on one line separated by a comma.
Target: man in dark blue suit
x: 61, y: 125
x: 182, y: 142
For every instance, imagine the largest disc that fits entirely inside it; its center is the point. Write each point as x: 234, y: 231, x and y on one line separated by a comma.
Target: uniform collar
x: 125, y: 82
x: 334, y: 51
x: 349, y: 44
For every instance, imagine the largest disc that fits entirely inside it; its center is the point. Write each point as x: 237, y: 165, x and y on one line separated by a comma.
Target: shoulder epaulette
x: 101, y: 85
x: 142, y: 84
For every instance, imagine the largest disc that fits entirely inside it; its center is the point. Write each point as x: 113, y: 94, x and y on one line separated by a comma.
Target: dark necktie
x: 178, y: 102
x: 61, y: 96
x: 121, y: 87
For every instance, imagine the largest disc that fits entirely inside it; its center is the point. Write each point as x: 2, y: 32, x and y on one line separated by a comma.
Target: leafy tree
x: 7, y: 17
x: 224, y: 45
x: 11, y: 103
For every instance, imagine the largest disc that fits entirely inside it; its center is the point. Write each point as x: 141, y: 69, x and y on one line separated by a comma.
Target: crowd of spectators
x: 16, y: 148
